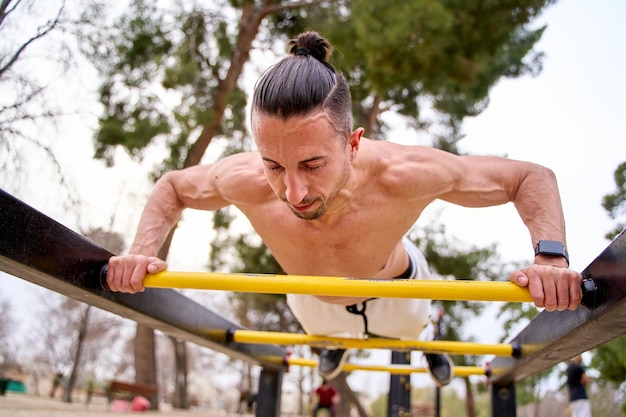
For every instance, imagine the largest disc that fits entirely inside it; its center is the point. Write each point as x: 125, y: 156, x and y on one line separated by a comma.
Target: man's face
x: 305, y: 161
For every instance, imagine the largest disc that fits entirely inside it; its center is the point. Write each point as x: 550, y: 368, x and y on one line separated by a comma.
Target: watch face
x: 550, y: 247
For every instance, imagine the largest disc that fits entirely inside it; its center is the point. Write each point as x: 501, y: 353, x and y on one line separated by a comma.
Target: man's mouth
x: 300, y: 208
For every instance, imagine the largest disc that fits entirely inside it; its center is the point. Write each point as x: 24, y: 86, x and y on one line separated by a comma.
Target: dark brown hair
x: 305, y: 83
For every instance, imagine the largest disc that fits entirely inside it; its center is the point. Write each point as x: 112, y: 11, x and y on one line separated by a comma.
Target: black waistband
x: 409, y: 271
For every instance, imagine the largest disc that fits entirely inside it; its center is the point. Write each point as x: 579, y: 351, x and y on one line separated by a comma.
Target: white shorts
x: 581, y: 408
x: 402, y: 318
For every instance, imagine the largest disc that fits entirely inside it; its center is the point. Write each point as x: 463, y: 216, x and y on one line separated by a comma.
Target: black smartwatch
x: 551, y: 248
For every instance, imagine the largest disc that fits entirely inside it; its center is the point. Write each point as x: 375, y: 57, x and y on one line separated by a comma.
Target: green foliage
x: 610, y: 360
x: 165, y: 71
x: 162, y: 72
x: 615, y: 203
x: 440, y: 54
x: 129, y: 57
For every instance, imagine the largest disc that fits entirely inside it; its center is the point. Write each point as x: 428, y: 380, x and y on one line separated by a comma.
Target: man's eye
x: 312, y: 167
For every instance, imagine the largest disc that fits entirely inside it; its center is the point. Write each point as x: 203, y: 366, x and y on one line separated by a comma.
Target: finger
x: 113, y: 274
x: 157, y: 265
x: 536, y: 287
x: 136, y: 280
x: 575, y: 295
x: 546, y: 280
x: 563, y: 290
x: 519, y: 278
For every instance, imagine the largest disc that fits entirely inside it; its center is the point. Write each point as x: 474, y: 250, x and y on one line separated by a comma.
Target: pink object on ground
x: 140, y: 404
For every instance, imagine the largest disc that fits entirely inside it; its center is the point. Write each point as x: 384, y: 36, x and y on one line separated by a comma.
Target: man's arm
x: 203, y: 187
x: 479, y: 181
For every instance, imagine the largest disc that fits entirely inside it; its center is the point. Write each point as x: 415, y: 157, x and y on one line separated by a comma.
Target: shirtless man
x: 327, y: 201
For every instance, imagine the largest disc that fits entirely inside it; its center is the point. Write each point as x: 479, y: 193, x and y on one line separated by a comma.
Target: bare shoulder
x: 240, y: 178
x: 419, y: 173
x: 237, y: 179
x: 405, y: 169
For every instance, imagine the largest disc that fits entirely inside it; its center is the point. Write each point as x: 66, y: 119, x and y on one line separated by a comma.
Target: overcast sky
x: 570, y: 118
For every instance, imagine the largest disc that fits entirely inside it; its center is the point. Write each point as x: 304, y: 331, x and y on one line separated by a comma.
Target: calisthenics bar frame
x: 453, y: 290
x: 322, y: 342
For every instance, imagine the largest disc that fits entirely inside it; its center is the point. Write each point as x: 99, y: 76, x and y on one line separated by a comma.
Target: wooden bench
x: 128, y: 390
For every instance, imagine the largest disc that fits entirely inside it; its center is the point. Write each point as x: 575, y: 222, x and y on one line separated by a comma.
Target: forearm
x: 160, y: 214
x: 538, y: 203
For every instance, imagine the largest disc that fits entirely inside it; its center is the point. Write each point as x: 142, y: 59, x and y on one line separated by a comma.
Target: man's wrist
x: 551, y: 249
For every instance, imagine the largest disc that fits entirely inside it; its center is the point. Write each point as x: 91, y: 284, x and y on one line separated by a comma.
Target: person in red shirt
x: 327, y: 397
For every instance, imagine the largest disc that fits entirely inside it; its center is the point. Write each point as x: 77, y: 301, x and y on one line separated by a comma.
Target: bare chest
x: 364, y: 243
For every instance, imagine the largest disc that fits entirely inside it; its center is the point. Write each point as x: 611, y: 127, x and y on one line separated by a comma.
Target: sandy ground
x: 21, y: 405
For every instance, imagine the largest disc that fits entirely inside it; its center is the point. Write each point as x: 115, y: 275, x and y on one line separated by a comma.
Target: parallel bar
x: 460, y: 371
x: 460, y: 290
x: 437, y: 346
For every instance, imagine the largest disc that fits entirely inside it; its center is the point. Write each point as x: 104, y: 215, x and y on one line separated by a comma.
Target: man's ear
x: 354, y: 141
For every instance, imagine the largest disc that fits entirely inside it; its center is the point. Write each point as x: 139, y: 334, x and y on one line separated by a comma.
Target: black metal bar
x: 38, y: 249
x: 503, y: 400
x: 268, y: 400
x: 399, y: 387
x: 554, y: 337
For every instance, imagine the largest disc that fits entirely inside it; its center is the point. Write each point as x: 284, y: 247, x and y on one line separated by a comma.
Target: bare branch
x: 3, y: 9
x: 41, y: 32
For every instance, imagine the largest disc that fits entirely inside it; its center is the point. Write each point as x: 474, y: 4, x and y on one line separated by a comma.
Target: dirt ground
x: 21, y: 405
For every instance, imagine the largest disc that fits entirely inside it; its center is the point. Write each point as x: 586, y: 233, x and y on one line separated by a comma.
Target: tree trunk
x: 347, y: 397
x: 249, y: 24
x: 470, y: 404
x: 82, y: 331
x: 145, y: 361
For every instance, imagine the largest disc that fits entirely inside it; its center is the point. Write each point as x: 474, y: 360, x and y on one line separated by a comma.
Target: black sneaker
x: 331, y: 362
x: 440, y: 368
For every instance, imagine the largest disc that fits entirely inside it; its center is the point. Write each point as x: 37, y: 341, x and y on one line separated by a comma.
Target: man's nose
x: 295, y: 189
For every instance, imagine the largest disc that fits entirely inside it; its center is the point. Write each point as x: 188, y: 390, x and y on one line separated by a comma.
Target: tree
x: 615, y: 203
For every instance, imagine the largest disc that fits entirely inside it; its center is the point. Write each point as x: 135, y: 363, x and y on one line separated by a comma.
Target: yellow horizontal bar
x: 459, y: 290
x: 438, y: 346
x: 460, y: 371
